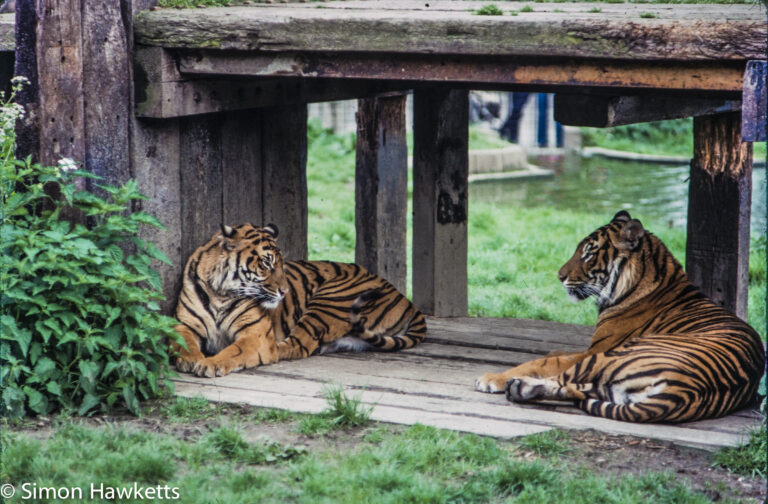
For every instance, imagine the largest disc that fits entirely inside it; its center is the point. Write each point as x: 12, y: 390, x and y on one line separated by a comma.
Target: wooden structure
x: 431, y: 384
x: 206, y: 108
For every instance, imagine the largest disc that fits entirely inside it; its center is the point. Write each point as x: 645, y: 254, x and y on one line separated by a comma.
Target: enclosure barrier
x: 206, y: 108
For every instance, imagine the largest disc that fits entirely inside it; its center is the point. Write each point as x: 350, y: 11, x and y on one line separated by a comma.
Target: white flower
x: 67, y: 165
x: 19, y: 79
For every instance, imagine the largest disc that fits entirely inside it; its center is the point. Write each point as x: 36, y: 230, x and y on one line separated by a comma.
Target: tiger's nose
x: 562, y: 276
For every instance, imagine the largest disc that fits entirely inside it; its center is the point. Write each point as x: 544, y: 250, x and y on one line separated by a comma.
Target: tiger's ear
x: 630, y: 235
x: 227, y: 231
x: 622, y: 216
x: 271, y: 229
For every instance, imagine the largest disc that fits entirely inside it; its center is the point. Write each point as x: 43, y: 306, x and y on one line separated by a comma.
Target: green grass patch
x: 648, y: 15
x: 526, y: 8
x: 547, y: 444
x: 389, y: 465
x: 489, y: 10
x: 342, y: 411
x: 748, y: 459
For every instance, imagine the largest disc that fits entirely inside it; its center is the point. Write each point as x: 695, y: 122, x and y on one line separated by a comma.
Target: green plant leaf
x: 89, y: 402
x: 36, y: 401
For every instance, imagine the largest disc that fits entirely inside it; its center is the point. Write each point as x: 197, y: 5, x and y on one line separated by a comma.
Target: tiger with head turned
x: 242, y: 306
x: 661, y: 351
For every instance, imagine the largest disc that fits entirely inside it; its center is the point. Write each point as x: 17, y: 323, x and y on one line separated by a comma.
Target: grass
x: 648, y: 15
x: 489, y: 10
x: 748, y: 459
x: 415, y: 464
x: 674, y: 137
x: 548, y: 444
x: 342, y: 411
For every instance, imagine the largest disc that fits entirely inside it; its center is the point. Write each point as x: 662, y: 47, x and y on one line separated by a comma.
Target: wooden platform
x: 432, y: 384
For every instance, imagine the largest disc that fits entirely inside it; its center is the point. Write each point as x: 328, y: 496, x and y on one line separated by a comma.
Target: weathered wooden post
x: 381, y: 187
x: 719, y: 199
x: 440, y: 192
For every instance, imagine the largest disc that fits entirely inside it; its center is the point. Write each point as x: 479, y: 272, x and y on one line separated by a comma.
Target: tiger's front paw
x: 492, y: 383
x: 209, y: 368
x: 186, y: 365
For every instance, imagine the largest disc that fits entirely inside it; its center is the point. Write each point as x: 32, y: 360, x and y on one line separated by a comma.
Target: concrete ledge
x: 504, y: 159
x: 531, y: 171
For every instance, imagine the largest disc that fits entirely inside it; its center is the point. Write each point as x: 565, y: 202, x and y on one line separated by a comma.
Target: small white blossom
x: 19, y: 79
x: 67, y: 165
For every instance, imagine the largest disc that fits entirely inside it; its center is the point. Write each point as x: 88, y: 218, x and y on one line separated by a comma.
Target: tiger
x: 242, y: 306
x: 661, y: 350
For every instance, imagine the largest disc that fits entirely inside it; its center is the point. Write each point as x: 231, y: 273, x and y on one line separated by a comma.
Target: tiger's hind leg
x: 531, y: 389
x: 315, y: 329
x: 386, y: 320
x: 552, y: 365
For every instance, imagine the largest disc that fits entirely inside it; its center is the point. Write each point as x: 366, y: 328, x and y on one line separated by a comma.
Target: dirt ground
x: 602, y: 453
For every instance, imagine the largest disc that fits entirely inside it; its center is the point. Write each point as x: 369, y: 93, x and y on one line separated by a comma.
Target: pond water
x: 603, y: 186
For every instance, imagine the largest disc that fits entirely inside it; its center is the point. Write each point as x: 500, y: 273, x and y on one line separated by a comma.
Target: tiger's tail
x: 376, y: 329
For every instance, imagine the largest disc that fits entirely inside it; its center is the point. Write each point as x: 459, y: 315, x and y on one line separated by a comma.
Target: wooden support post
x: 440, y: 171
x: 241, y: 168
x: 284, y: 189
x: 717, y: 248
x: 201, y: 181
x: 381, y: 187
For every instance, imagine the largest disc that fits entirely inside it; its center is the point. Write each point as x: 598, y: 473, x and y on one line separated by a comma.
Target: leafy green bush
x: 80, y: 327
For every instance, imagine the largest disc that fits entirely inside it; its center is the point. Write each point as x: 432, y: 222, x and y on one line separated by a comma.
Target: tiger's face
x: 250, y: 264
x: 604, y: 262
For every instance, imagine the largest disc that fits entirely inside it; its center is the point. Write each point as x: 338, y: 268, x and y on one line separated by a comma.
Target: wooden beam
x: 753, y: 113
x: 720, y: 192
x: 606, y: 111
x: 722, y: 76
x: 733, y: 32
x: 381, y: 187
x: 284, y: 190
x: 440, y: 191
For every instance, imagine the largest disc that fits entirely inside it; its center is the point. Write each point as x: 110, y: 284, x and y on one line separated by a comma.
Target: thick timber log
x: 440, y: 192
x: 719, y: 198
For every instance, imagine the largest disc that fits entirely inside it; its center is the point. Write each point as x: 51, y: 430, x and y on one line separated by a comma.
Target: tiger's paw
x: 493, y: 383
x: 210, y: 368
x: 185, y: 365
x: 529, y: 389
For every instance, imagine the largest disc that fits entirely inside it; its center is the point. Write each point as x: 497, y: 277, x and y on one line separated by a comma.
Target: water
x: 604, y: 186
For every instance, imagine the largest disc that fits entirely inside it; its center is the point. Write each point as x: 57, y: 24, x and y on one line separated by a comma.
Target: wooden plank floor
x: 433, y: 384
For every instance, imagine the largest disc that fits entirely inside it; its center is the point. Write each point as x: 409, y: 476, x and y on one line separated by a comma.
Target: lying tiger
x: 661, y: 351
x: 241, y: 306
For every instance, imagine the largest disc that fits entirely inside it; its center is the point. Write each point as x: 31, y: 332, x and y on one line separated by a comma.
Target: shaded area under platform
x: 432, y: 384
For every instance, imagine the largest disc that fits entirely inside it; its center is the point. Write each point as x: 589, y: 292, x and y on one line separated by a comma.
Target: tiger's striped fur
x: 661, y: 352
x: 241, y: 306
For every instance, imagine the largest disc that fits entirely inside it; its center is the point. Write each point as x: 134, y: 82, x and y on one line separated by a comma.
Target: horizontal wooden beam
x: 162, y: 92
x: 682, y: 33
x: 477, y: 71
x: 605, y: 111
x: 753, y: 113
